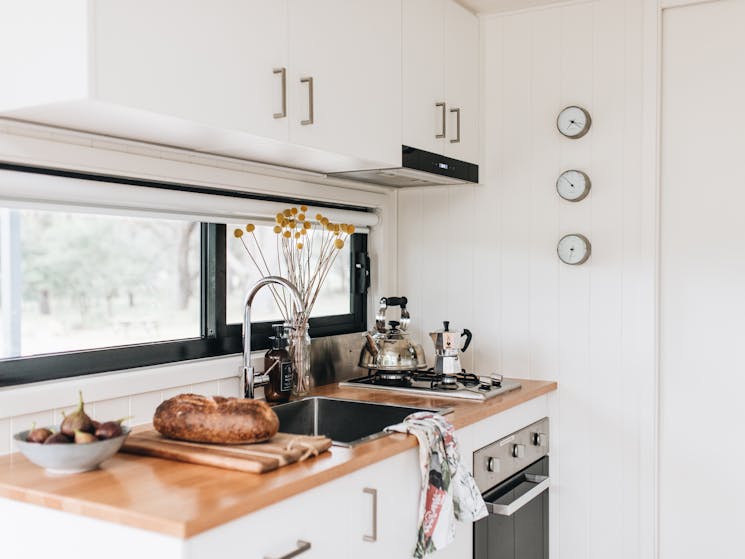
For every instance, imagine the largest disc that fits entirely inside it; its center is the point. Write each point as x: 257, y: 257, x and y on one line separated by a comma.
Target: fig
x: 38, y: 435
x: 96, y: 424
x: 109, y: 430
x: 58, y: 438
x: 81, y: 437
x: 77, y: 421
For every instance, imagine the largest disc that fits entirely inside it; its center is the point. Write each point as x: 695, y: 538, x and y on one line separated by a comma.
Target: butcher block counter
x: 183, y: 500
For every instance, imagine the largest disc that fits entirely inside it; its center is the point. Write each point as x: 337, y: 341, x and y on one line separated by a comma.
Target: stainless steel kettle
x: 390, y: 348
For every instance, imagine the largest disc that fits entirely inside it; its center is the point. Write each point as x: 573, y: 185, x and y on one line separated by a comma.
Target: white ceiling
x: 496, y: 6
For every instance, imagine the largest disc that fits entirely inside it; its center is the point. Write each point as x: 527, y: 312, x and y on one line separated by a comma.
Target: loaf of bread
x: 190, y: 417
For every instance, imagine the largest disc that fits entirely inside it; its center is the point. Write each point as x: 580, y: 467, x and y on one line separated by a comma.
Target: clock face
x: 573, y: 122
x: 573, y: 185
x: 574, y: 249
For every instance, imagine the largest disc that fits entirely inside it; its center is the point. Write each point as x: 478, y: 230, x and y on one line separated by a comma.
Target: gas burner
x: 463, y: 385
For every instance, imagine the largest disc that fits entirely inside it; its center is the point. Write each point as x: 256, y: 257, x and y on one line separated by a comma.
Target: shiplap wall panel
x: 531, y: 315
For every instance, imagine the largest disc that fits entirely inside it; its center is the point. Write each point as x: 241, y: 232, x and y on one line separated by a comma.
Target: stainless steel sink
x: 345, y: 422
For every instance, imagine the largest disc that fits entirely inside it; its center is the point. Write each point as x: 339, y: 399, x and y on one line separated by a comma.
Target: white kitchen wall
x: 484, y: 257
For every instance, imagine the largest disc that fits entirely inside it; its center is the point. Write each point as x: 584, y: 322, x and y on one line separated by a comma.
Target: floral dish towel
x: 449, y: 492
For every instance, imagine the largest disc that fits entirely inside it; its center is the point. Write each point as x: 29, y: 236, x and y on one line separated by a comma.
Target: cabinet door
x: 352, y: 51
x: 317, y: 517
x: 391, y: 490
x: 462, y: 82
x: 205, y: 62
x: 423, y: 76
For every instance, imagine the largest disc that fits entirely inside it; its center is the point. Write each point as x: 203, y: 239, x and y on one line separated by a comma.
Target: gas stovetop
x: 428, y: 383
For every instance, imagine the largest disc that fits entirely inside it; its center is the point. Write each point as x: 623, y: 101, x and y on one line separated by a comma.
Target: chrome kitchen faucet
x: 250, y: 379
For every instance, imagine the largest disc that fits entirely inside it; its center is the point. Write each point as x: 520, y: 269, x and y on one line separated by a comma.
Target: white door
x: 424, y: 104
x: 390, y: 489
x: 351, y: 50
x: 209, y: 63
x: 702, y: 282
x: 462, y: 82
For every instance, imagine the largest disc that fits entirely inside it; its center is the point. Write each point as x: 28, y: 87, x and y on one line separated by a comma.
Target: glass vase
x: 299, y: 350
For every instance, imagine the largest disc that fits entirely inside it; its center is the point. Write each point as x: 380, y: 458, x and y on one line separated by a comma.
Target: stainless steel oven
x: 513, y: 476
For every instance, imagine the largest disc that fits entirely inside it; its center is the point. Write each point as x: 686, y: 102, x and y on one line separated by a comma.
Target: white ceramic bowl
x: 69, y: 458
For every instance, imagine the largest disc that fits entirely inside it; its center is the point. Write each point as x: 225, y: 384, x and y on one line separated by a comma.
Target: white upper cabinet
x: 211, y: 63
x: 441, y: 78
x: 222, y: 76
x: 462, y: 82
x: 425, y: 112
x: 351, y: 50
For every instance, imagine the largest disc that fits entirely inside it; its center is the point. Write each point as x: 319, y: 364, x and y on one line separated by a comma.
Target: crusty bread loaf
x: 191, y: 417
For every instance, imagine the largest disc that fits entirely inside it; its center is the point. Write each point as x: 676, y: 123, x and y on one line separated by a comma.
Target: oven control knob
x: 538, y: 439
x: 518, y: 450
x: 492, y: 464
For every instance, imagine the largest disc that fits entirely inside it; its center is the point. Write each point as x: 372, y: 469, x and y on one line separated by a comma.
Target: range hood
x: 419, y: 168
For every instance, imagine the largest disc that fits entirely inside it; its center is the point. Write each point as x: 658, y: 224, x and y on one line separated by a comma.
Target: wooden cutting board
x: 257, y: 458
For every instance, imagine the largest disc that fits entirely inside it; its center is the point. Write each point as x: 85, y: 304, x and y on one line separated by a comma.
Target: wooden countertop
x: 183, y: 500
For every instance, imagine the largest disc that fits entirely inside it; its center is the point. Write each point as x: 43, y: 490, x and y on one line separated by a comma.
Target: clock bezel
x: 588, y: 185
x: 583, y: 131
x: 585, y: 240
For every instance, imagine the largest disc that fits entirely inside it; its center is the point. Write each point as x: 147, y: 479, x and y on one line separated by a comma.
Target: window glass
x: 73, y: 281
x: 334, y: 298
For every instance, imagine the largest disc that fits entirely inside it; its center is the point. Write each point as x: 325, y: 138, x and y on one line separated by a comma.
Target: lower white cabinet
x: 383, y: 502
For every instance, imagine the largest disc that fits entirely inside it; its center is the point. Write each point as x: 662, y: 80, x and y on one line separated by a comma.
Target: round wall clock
x: 573, y: 185
x: 573, y: 122
x: 574, y: 249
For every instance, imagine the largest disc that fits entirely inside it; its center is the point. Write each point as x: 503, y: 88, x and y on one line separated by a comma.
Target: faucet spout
x: 250, y: 379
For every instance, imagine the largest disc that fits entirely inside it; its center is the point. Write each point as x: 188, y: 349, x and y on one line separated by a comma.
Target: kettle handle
x: 386, y: 302
x: 469, y: 337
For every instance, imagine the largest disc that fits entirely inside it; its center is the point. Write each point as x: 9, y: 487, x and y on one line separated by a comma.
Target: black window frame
x: 218, y: 338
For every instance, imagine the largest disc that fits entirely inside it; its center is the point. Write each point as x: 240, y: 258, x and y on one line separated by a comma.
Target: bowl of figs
x: 78, y: 444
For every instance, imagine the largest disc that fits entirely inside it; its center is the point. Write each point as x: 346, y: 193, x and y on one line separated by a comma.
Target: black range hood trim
x: 436, y: 164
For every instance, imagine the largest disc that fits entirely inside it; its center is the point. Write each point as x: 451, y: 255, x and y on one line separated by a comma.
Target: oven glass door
x: 517, y: 525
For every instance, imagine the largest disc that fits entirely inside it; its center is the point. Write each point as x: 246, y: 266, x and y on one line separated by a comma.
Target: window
x: 84, y: 293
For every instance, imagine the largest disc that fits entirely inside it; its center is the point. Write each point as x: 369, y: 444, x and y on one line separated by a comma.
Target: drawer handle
x: 374, y: 536
x: 542, y: 483
x: 457, y: 126
x: 283, y: 74
x: 309, y: 81
x: 302, y: 547
x: 444, y: 121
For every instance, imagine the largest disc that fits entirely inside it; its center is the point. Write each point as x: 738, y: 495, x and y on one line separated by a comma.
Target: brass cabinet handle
x: 444, y: 121
x: 457, y: 126
x: 374, y: 536
x: 302, y: 547
x: 283, y: 73
x: 309, y: 81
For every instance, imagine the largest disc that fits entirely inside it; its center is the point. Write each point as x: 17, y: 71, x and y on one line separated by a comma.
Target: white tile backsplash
x: 230, y: 387
x: 142, y: 407
x: 211, y: 388
x: 110, y: 410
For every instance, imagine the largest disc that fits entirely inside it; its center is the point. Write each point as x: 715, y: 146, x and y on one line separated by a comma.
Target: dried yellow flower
x: 250, y: 227
x: 294, y: 211
x: 238, y: 233
x: 301, y: 217
x: 319, y: 217
x: 303, y: 231
x: 307, y: 225
x: 324, y: 221
x: 297, y: 234
x: 287, y: 212
x: 287, y: 234
x: 304, y: 208
x: 285, y: 222
x: 343, y: 227
x: 293, y: 223
x: 338, y: 243
x: 300, y: 246
x: 279, y: 218
x: 277, y: 229
x: 350, y: 229
x: 329, y: 226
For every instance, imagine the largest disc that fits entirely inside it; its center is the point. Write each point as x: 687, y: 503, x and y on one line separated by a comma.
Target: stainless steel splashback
x: 335, y: 358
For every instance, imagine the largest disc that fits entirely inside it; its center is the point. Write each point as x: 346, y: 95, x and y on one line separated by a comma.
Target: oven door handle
x: 542, y: 483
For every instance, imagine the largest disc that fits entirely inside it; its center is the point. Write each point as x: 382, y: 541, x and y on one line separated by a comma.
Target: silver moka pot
x: 448, y: 350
